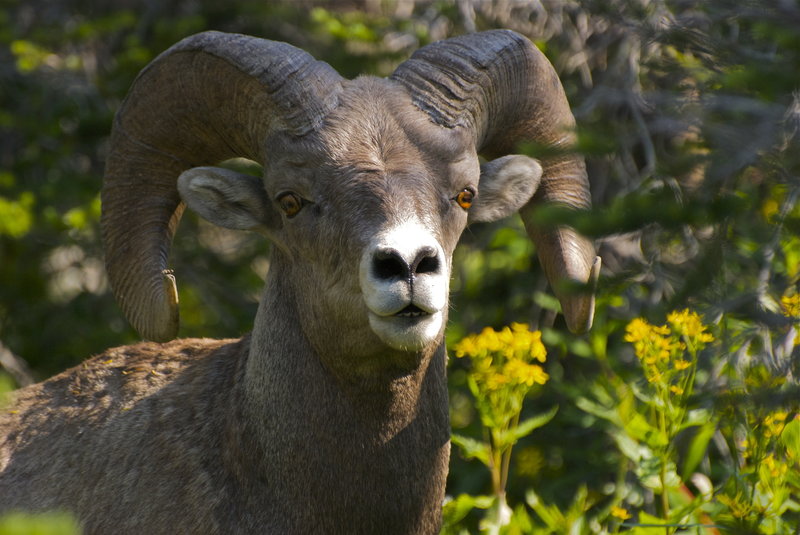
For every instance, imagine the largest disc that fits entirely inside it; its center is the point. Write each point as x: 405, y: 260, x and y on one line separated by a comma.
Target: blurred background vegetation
x: 688, y: 114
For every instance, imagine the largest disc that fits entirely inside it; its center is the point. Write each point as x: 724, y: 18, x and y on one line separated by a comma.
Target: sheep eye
x: 465, y: 198
x: 290, y: 203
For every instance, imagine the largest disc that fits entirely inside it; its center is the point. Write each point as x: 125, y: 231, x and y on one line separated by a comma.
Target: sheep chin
x: 407, y: 332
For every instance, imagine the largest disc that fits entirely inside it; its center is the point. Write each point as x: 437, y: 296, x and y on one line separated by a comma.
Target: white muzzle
x: 404, y: 279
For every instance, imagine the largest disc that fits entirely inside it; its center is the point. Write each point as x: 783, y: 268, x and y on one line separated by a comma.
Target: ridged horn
x: 211, y: 97
x: 500, y: 86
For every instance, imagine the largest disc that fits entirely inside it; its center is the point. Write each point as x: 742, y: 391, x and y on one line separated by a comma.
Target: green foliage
x: 39, y: 524
x: 664, y: 437
x: 16, y: 218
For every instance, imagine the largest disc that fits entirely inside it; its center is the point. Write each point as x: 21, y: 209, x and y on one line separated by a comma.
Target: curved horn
x: 211, y: 97
x: 504, y: 89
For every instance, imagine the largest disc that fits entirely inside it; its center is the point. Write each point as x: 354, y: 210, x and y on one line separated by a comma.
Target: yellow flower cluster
x: 791, y: 305
x: 516, y: 341
x: 504, y: 358
x: 502, y: 371
x: 740, y: 506
x: 689, y: 325
x: 650, y: 342
x: 774, y: 423
x: 661, y: 348
x: 774, y: 468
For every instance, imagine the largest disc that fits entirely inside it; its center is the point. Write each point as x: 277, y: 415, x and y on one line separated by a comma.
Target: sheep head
x: 367, y: 185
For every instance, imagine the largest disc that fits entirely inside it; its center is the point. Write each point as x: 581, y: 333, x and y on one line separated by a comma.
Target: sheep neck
x: 377, y: 455
x: 285, y: 371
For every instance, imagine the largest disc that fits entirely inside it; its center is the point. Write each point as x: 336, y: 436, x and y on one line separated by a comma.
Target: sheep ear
x: 228, y: 199
x: 505, y: 186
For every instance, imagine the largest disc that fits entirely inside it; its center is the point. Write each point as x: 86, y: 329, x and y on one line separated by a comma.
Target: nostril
x: 427, y: 261
x: 388, y: 264
x: 429, y: 264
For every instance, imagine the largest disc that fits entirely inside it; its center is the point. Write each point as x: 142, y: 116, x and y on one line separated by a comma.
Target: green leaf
x: 649, y: 473
x: 520, y: 523
x: 471, y: 448
x: 551, y: 515
x: 16, y: 217
x: 547, y: 301
x: 52, y: 523
x: 697, y: 449
x: 524, y: 428
x: 596, y: 409
x: 698, y: 417
x: 573, y: 521
x: 455, y: 510
x: 631, y: 448
x: 790, y: 438
x: 580, y: 503
x: 647, y: 525
x: 640, y: 429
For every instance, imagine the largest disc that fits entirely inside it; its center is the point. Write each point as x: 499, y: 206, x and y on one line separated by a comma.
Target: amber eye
x: 465, y: 198
x: 290, y: 203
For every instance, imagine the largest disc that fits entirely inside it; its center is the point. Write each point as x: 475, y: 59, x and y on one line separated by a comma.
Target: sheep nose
x: 389, y: 264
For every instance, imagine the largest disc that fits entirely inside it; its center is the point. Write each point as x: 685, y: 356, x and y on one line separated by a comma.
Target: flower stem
x: 662, y: 420
x: 507, y: 457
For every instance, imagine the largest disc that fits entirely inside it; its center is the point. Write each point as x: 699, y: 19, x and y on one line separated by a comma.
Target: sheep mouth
x: 411, y: 311
x: 410, y: 329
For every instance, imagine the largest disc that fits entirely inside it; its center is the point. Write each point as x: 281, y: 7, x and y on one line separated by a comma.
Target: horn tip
x: 579, y: 310
x: 163, y: 325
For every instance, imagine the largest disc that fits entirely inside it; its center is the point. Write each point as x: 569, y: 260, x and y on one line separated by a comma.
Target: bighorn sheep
x: 332, y: 415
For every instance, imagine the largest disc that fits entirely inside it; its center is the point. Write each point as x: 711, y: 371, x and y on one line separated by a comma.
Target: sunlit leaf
x: 456, y: 509
x: 53, y: 523
x: 16, y: 217
x: 790, y: 438
x: 471, y: 448
x: 697, y: 449
x: 524, y: 428
x: 647, y: 525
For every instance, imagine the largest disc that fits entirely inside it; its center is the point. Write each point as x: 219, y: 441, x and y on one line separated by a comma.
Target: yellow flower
x: 501, y: 359
x: 774, y: 423
x: 653, y: 375
x: 489, y: 340
x: 637, y: 330
x: 515, y: 341
x: 662, y: 330
x: 675, y: 389
x: 775, y: 468
x: 650, y: 342
x: 663, y: 346
x: 769, y: 209
x: 744, y: 444
x: 532, y: 345
x: 524, y: 373
x: 791, y: 305
x: 739, y: 506
x: 619, y: 512
x: 467, y: 346
x: 519, y: 327
x: 689, y: 324
x: 681, y: 364
x: 495, y: 381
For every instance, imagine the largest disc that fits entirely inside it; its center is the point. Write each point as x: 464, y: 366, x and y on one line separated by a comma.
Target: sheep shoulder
x: 101, y: 424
